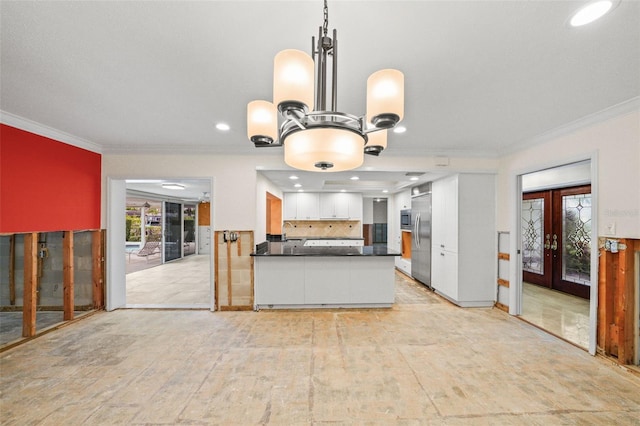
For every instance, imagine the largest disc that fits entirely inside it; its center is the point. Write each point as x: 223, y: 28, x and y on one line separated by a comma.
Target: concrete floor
x: 424, y: 361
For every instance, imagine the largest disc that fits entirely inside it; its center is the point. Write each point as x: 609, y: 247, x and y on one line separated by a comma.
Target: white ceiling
x: 482, y: 78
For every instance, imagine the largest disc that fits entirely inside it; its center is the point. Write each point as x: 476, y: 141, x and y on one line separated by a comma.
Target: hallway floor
x: 183, y: 283
x: 559, y: 313
x: 424, y: 361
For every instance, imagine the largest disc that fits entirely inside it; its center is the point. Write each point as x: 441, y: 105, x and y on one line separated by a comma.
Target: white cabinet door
x: 334, y: 205
x: 307, y: 206
x: 444, y: 272
x: 290, y: 209
x: 355, y: 206
x: 444, y: 219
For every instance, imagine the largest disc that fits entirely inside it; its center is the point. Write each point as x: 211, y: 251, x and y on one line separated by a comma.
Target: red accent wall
x: 46, y: 185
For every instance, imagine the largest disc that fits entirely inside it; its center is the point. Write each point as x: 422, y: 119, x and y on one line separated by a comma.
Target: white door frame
x: 515, y: 279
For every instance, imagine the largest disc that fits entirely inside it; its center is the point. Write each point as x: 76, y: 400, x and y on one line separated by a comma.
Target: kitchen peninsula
x: 323, y: 273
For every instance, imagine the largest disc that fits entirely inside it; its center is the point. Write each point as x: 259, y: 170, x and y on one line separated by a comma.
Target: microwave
x: 405, y: 219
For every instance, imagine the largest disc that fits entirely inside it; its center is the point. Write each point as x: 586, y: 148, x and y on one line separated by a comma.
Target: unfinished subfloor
x: 424, y: 361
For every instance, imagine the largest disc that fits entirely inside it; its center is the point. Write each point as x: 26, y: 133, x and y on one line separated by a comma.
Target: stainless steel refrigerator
x: 421, y: 234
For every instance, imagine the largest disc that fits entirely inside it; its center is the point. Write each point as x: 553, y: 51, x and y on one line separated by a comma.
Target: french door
x: 556, y: 239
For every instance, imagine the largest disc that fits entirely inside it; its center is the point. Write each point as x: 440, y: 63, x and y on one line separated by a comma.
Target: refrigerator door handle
x: 417, y: 229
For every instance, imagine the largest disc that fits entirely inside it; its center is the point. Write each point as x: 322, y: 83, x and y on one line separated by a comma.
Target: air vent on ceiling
x: 411, y: 174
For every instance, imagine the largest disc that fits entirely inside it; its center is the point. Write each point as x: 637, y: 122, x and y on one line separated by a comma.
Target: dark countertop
x: 296, y: 248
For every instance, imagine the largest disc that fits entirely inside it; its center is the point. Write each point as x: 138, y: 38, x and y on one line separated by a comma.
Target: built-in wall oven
x: 405, y: 219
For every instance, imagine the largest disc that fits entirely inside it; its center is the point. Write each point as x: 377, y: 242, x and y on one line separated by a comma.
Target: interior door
x: 556, y: 235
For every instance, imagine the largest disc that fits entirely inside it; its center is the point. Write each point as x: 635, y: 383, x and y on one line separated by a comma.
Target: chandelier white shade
x: 313, y: 149
x: 377, y: 142
x: 293, y: 78
x: 262, y: 122
x: 315, y: 136
x: 385, y: 98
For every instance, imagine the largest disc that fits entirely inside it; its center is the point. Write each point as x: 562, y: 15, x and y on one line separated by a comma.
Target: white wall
x: 380, y: 211
x: 615, y: 143
x: 233, y: 195
x: 367, y: 211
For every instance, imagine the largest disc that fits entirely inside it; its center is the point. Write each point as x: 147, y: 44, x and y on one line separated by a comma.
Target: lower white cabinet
x: 444, y: 272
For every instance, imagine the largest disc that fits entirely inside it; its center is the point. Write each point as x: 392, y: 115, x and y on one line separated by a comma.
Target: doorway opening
x: 556, y: 233
x: 159, y: 244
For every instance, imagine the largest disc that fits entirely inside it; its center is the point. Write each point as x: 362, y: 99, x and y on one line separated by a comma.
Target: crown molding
x: 48, y: 132
x: 623, y: 108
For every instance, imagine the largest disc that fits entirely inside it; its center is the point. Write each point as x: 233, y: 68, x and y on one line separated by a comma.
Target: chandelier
x: 317, y: 137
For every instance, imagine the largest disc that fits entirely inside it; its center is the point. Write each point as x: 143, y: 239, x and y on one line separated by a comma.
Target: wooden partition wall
x: 617, y: 308
x: 30, y: 282
x: 234, y: 270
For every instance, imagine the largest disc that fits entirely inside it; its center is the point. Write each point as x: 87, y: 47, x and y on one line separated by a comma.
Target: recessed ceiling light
x: 297, y: 185
x: 222, y: 126
x: 293, y: 177
x: 592, y: 11
x: 172, y: 186
x: 414, y: 178
x: 399, y: 129
x: 300, y: 190
x: 384, y: 191
x: 343, y: 190
x: 354, y: 178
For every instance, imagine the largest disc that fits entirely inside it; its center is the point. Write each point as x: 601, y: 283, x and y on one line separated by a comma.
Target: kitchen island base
x: 296, y: 282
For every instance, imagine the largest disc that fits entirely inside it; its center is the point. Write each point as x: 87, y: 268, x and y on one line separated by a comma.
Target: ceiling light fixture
x: 315, y: 136
x: 172, y: 186
x: 222, y: 126
x: 592, y: 11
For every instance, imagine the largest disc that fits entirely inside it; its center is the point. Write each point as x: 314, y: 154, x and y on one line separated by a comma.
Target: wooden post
x: 605, y: 300
x: 97, y: 271
x: 625, y: 301
x: 30, y: 284
x: 67, y: 272
x: 12, y: 269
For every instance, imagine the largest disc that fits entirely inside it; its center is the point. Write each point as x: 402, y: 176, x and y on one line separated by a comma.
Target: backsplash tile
x: 322, y: 228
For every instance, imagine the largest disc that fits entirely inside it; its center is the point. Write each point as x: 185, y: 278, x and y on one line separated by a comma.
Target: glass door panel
x: 189, y: 242
x: 172, y: 231
x: 572, y: 228
x: 536, y: 234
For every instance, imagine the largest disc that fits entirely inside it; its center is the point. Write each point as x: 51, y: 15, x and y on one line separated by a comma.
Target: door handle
x: 416, y: 226
x: 547, y: 243
x: 554, y: 245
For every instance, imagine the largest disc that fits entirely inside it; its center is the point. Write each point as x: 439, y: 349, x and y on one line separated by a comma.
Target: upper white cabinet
x: 324, y: 205
x: 355, y: 206
x: 301, y: 206
x: 464, y: 248
x: 340, y: 205
x: 334, y: 205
